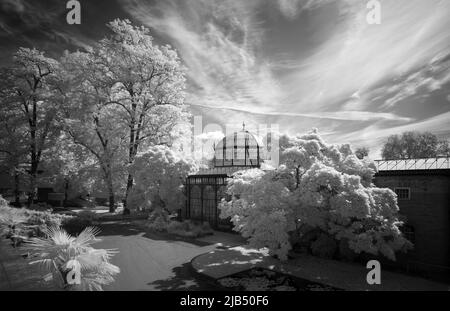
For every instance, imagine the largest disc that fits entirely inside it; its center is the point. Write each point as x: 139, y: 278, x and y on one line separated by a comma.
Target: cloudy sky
x: 296, y: 63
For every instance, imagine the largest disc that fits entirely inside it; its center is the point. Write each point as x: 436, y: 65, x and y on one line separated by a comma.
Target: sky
x: 299, y: 64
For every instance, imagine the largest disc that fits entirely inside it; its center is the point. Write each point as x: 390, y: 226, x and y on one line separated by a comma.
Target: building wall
x: 427, y: 211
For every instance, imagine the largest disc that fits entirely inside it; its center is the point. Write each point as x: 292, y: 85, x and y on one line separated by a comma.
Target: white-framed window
x: 409, y: 232
x: 403, y: 193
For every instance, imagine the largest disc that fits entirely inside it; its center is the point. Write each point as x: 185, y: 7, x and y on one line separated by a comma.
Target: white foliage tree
x: 159, y: 174
x: 320, y: 186
x: 28, y: 92
x: 147, y: 83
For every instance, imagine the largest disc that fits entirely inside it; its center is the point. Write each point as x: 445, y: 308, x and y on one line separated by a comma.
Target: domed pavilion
x: 236, y: 152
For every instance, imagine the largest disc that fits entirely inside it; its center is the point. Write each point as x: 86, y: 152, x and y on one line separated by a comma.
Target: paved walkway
x: 348, y: 276
x: 147, y: 261
x: 157, y: 262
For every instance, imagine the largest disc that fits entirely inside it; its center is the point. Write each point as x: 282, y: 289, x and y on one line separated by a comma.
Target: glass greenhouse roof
x: 413, y: 164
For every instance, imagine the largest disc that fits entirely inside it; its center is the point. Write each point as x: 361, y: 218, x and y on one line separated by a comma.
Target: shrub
x: 19, y: 224
x: 206, y: 229
x: 75, y: 225
x: 345, y: 252
x: 3, y: 202
x: 88, y: 215
x: 177, y: 226
x: 37, y: 222
x: 44, y: 218
x: 158, y: 220
x: 324, y: 247
x: 189, y: 228
x: 42, y: 207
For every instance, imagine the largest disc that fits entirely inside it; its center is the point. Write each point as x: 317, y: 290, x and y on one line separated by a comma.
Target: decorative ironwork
x: 241, y: 149
x: 205, y: 190
x: 203, y: 196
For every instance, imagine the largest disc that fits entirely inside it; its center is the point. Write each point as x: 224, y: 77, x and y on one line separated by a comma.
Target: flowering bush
x: 318, y: 186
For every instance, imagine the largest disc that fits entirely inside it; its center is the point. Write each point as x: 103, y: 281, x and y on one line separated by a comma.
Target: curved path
x: 157, y: 262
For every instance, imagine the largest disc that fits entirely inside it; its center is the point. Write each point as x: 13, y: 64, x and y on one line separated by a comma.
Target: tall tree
x: 70, y: 168
x: 13, y: 148
x: 28, y: 91
x: 444, y: 148
x: 411, y: 145
x: 147, y: 84
x: 90, y: 120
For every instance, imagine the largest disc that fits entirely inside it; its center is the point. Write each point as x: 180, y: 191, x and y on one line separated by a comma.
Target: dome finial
x: 243, y: 126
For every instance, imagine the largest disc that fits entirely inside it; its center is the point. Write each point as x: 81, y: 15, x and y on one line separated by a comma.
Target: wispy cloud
x: 347, y: 115
x: 291, y: 8
x: 218, y: 41
x: 341, y: 69
x: 428, y: 78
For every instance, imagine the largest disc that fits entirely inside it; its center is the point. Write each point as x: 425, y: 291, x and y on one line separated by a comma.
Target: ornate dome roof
x: 241, y: 149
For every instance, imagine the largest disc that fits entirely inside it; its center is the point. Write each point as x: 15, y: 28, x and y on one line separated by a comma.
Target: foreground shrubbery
x: 321, y: 198
x: 75, y: 225
x: 22, y: 224
x: 161, y: 221
x: 71, y: 262
x: 189, y: 229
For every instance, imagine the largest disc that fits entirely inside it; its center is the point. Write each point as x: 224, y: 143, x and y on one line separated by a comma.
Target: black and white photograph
x: 225, y: 150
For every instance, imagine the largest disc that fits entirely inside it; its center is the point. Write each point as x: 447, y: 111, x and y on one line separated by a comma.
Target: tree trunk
x: 131, y: 154
x: 109, y: 182
x: 112, y: 202
x: 32, y: 192
x: 16, y: 187
x: 66, y: 191
x: 34, y: 157
x: 126, y: 210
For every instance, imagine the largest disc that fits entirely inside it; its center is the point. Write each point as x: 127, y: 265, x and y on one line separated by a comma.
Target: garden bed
x: 261, y: 279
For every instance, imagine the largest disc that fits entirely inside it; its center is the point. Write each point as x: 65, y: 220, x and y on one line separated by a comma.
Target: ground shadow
x: 186, y: 279
x: 125, y: 228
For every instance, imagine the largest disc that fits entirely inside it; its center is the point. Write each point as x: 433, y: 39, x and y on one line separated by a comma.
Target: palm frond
x: 87, y: 236
x: 97, y: 260
x: 58, y: 236
x: 59, y: 251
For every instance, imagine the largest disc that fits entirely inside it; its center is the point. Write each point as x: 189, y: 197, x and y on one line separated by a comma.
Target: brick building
x: 423, y: 190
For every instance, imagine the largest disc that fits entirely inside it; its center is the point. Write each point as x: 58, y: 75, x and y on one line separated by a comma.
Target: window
x: 403, y: 193
x: 409, y: 233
